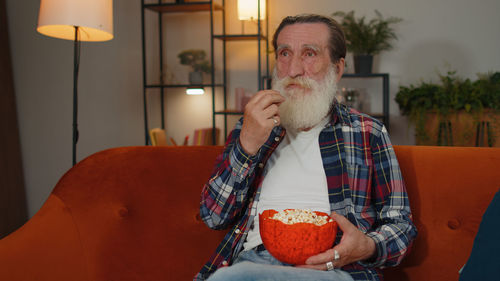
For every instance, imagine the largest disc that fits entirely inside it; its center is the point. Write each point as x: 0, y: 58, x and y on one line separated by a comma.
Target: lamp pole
x: 77, y: 20
x: 76, y: 64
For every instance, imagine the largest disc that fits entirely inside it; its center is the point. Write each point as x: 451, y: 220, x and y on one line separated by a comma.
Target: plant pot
x: 363, y: 64
x: 196, y: 78
x: 462, y: 129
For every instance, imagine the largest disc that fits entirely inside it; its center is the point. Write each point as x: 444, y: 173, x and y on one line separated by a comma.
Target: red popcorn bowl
x: 294, y: 242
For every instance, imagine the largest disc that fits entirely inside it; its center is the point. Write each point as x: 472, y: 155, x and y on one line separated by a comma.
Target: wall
x: 459, y: 33
x: 110, y: 100
x: 13, y: 211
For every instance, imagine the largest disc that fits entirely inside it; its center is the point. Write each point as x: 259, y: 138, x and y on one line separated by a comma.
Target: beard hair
x: 306, y: 106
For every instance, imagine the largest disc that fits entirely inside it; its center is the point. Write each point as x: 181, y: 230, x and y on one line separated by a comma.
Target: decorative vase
x: 196, y: 78
x: 363, y: 64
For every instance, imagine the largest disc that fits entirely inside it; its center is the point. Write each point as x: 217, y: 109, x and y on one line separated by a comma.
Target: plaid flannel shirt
x: 364, y: 184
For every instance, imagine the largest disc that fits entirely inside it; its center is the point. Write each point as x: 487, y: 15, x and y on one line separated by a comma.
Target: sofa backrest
x: 449, y: 190
x: 138, y: 210
x: 132, y: 214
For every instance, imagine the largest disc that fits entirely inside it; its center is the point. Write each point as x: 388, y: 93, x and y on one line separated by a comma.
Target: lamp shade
x: 94, y: 18
x: 247, y: 9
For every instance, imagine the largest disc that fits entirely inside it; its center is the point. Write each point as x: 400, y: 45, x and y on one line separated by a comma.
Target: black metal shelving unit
x: 201, y: 6
x: 385, y: 93
x: 258, y: 37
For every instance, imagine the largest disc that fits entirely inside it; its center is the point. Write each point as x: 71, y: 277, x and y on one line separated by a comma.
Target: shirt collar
x: 340, y: 114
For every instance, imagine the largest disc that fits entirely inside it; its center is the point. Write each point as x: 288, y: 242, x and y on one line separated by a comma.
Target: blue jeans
x: 260, y: 265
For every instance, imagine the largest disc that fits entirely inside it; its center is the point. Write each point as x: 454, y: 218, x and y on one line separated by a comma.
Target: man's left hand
x: 354, y: 246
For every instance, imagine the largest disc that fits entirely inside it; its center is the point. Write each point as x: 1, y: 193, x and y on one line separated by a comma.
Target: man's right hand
x: 260, y: 116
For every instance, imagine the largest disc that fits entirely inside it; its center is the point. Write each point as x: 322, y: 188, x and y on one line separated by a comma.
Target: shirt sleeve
x: 393, y: 230
x: 226, y: 192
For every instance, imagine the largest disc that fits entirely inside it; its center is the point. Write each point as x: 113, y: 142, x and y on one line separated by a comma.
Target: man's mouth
x: 291, y: 86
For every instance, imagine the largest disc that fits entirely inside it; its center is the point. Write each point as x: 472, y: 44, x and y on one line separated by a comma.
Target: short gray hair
x: 336, y: 44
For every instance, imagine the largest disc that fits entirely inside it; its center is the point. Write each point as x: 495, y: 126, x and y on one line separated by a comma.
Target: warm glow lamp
x: 77, y: 20
x: 248, y: 9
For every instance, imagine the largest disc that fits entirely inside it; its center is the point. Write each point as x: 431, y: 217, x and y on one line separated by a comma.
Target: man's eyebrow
x: 282, y: 46
x: 313, y: 47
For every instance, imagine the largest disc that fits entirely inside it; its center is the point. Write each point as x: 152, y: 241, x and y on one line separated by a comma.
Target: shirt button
x: 237, y: 231
x: 276, y: 139
x: 261, y: 165
x: 224, y: 263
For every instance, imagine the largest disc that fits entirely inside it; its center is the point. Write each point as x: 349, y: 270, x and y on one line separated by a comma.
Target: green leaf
x: 195, y: 59
x: 368, y: 37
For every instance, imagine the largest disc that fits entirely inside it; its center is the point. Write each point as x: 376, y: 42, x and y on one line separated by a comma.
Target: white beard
x: 305, y: 107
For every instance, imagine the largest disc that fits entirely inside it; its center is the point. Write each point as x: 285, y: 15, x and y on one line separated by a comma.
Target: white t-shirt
x: 294, y: 178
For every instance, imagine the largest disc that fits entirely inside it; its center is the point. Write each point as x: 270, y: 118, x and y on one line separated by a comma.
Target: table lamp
x: 77, y: 20
x: 248, y: 9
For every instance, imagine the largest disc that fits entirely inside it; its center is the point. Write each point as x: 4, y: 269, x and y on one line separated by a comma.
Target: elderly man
x: 296, y: 147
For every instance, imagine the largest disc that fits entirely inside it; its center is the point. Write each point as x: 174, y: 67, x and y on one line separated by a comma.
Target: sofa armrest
x: 47, y: 247
x: 128, y: 213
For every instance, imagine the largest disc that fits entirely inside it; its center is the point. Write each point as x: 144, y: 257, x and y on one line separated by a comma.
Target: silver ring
x: 336, y: 255
x: 329, y: 266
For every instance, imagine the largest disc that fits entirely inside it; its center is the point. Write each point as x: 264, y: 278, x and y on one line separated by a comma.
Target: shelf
x: 184, y: 7
x: 228, y: 112
x: 182, y: 85
x: 236, y: 112
x: 239, y: 37
x: 377, y: 115
x: 366, y: 75
x: 385, y: 93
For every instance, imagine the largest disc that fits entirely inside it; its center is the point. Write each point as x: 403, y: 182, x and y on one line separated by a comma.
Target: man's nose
x: 296, y: 68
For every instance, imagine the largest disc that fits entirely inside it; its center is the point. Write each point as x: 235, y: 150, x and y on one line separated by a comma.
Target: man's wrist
x: 379, y: 256
x: 371, y: 252
x: 243, y: 154
x: 247, y: 148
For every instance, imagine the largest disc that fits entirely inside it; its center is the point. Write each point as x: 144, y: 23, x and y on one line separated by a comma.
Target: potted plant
x: 455, y: 111
x: 199, y: 65
x: 367, y: 38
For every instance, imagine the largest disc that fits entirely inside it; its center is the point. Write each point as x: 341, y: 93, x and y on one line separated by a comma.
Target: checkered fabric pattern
x: 364, y: 184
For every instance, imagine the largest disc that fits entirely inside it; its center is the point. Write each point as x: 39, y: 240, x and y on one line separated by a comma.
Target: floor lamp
x: 77, y: 20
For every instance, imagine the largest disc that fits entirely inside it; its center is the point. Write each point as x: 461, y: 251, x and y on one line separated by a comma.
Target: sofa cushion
x: 449, y: 190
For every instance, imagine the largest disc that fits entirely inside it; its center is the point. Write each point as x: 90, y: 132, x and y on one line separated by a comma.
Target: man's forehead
x: 304, y: 35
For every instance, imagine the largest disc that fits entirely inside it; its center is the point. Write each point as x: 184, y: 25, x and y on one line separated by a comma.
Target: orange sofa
x: 132, y: 214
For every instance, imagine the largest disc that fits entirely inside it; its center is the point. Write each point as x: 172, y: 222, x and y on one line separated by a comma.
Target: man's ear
x: 339, y: 68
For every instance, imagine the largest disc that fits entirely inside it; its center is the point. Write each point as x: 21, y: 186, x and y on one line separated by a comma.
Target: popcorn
x: 292, y: 216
